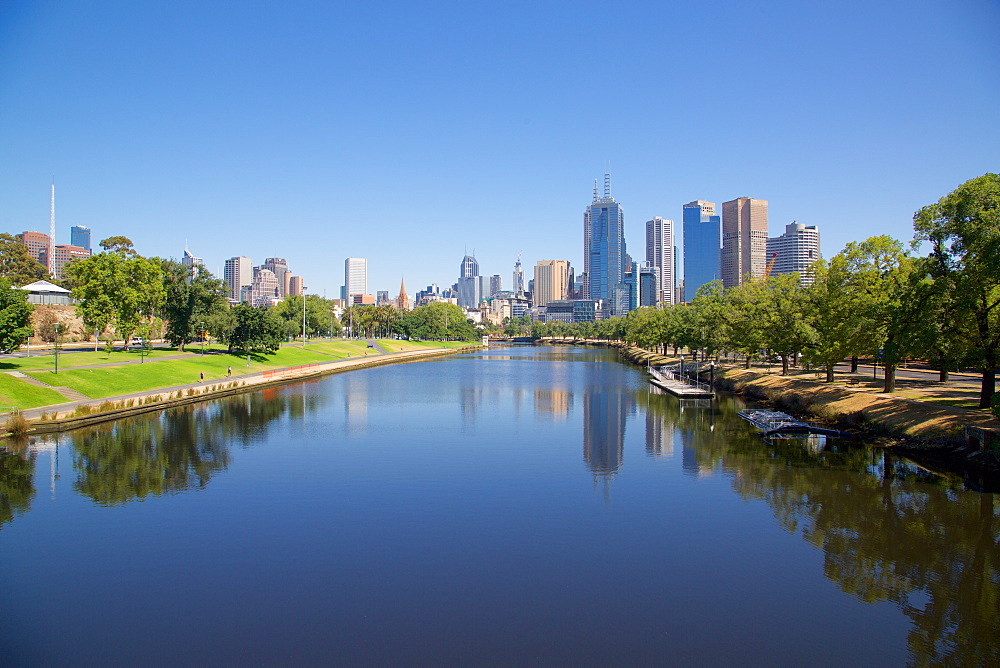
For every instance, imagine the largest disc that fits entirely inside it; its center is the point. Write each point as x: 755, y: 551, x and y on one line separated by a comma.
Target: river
x: 521, y: 505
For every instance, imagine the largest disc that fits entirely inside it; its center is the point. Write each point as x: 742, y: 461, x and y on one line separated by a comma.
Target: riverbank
x: 84, y: 412
x: 902, y: 423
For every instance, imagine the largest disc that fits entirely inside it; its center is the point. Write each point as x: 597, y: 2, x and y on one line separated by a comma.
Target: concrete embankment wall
x: 57, y: 418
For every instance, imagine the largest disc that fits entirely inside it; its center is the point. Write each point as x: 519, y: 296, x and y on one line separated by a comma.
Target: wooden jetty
x: 678, y: 386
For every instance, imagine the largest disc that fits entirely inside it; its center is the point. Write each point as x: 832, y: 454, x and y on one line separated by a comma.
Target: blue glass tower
x: 604, y: 255
x: 80, y: 236
x: 702, y: 246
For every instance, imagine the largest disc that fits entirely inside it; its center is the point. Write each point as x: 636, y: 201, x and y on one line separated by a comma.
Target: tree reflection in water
x: 17, y: 487
x: 889, y: 531
x: 175, y: 450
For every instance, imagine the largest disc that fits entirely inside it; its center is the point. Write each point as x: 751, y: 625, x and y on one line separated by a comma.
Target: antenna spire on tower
x: 607, y: 184
x: 51, y: 259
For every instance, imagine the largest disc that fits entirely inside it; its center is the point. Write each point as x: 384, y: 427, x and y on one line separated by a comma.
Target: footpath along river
x: 517, y: 505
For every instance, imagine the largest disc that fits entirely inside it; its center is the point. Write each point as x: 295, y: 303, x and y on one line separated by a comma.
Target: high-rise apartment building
x: 551, y: 281
x: 795, y: 250
x: 744, y: 240
x: 604, y: 254
x: 702, y: 244
x: 238, y: 274
x: 80, y: 236
x: 660, y: 254
x: 355, y: 277
x: 279, y: 268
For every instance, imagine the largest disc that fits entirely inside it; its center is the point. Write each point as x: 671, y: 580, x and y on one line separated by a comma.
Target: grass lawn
x: 67, y: 360
x: 16, y: 392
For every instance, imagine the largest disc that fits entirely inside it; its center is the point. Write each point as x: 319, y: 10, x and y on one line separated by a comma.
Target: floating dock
x: 776, y: 423
x: 679, y: 387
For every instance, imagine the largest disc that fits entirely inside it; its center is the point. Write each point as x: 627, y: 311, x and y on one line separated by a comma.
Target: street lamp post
x: 711, y: 376
x: 202, y: 337
x: 55, y: 348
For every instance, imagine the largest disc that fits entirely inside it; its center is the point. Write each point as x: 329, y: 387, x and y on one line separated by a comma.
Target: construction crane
x: 770, y: 266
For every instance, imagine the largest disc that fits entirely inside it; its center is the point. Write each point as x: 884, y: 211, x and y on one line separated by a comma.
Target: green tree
x: 15, y: 316
x: 116, y: 288
x: 256, y: 330
x: 786, y: 313
x: 16, y: 265
x: 963, y: 228
x: 192, y: 296
x: 837, y: 331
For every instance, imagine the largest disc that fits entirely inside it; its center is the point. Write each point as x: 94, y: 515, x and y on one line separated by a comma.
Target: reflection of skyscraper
x: 553, y: 402
x: 604, y: 430
x: 659, y: 435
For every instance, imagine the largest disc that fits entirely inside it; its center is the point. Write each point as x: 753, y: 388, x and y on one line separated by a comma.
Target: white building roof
x: 44, y: 286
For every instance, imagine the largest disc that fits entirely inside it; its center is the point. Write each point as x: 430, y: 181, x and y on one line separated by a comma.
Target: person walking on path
x: 229, y: 371
x: 201, y: 375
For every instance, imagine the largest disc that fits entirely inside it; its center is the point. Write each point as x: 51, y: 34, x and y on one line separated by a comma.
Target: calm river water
x: 515, y: 506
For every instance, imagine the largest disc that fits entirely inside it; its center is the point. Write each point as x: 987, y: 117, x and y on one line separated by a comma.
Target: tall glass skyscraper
x: 702, y: 245
x: 604, y: 254
x: 80, y: 236
x: 355, y: 277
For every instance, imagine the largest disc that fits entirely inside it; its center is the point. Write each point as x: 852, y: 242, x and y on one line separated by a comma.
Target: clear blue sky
x: 406, y: 132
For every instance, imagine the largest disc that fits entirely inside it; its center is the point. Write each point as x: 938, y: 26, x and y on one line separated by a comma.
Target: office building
x: 496, y: 284
x: 191, y: 262
x: 604, y: 254
x: 238, y: 274
x: 37, y: 244
x: 794, y: 250
x: 702, y: 244
x: 649, y: 286
x: 64, y: 254
x: 470, y: 283
x: 80, y: 236
x: 296, y: 285
x: 571, y: 310
x: 264, y: 289
x: 660, y: 254
x: 517, y: 287
x: 551, y: 281
x: 279, y: 268
x: 744, y: 240
x: 355, y: 277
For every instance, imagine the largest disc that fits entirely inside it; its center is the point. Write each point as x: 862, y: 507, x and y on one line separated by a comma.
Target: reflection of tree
x: 888, y: 533
x: 17, y: 487
x: 178, y: 449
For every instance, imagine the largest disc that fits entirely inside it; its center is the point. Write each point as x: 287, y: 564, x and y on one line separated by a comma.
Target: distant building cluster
x: 729, y: 244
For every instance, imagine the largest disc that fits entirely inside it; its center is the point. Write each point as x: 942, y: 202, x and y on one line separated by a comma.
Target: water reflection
x: 889, y: 530
x: 17, y: 486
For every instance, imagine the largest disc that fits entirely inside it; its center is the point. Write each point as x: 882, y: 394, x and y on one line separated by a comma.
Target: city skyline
x: 246, y: 129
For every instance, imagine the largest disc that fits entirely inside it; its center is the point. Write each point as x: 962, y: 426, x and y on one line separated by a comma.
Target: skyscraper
x: 496, y: 284
x: 551, y: 281
x: 794, y: 250
x: 80, y: 236
x: 744, y: 240
x: 279, y: 268
x: 660, y: 254
x: 355, y: 277
x: 518, y: 285
x: 238, y: 274
x: 192, y: 262
x: 470, y: 284
x: 604, y: 254
x: 701, y: 247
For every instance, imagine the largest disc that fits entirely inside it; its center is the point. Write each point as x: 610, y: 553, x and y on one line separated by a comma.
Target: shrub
x: 996, y: 405
x: 16, y: 424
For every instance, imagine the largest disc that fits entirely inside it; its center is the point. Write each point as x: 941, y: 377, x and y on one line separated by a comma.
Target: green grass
x: 16, y: 392
x: 90, y: 358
